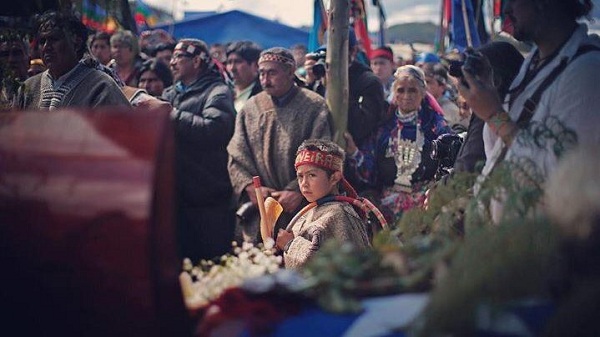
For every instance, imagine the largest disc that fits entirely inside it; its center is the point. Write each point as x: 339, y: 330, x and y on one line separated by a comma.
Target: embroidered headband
x: 319, y: 158
x: 271, y: 57
x: 188, y: 49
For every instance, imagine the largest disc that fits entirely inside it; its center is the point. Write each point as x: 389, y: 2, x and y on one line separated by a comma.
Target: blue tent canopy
x: 237, y: 25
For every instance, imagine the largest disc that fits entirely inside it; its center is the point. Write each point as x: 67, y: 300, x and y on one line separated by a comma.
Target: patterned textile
x: 83, y: 86
x: 271, y: 57
x: 325, y: 222
x: 400, y: 142
x: 51, y: 96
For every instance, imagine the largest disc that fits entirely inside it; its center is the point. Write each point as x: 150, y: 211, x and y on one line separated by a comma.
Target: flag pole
x: 466, y: 22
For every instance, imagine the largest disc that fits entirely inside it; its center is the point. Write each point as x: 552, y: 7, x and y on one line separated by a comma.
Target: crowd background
x: 240, y: 111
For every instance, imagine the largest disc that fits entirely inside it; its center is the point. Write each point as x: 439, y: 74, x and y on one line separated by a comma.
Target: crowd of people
x: 241, y: 112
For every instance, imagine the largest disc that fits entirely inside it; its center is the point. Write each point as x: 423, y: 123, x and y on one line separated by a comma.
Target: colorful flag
x: 499, y: 15
x: 445, y: 19
x: 464, y: 30
x: 97, y: 18
x: 144, y: 16
x: 315, y: 38
x: 359, y: 15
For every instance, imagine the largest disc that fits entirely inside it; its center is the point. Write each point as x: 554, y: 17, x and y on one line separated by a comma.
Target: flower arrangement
x: 206, y: 281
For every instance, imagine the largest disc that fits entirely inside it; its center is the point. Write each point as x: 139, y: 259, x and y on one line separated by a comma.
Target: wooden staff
x: 264, y: 232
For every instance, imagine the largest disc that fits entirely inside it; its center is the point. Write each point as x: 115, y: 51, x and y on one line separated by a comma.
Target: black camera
x: 445, y: 149
x: 473, y: 61
x: 318, y: 68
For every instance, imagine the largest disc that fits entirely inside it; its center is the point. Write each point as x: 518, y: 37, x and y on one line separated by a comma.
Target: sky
x: 299, y: 13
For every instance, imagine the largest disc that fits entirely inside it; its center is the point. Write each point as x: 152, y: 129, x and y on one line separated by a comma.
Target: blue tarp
x: 237, y: 25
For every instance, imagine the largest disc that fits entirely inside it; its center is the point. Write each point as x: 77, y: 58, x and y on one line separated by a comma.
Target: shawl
x: 267, y: 136
x: 85, y: 87
x: 328, y: 221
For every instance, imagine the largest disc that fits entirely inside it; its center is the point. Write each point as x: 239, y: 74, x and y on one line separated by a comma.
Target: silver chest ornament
x: 407, y: 156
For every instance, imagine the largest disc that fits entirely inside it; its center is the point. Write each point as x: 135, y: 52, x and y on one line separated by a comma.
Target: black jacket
x: 366, y: 103
x: 472, y: 152
x: 204, y: 118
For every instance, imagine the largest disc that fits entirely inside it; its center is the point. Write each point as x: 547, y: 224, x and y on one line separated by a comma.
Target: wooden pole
x: 337, y: 59
x: 466, y: 22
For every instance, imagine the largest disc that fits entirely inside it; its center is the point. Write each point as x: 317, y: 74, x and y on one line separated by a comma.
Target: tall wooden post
x: 337, y: 59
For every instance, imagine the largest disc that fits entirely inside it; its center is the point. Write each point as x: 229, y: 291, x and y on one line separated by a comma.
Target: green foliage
x: 494, y: 266
x: 340, y: 274
x: 457, y: 247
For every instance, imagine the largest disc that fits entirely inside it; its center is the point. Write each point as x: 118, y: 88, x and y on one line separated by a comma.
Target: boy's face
x: 314, y: 182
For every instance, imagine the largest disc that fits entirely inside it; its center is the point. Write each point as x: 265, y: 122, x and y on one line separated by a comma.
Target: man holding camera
x: 366, y: 104
x: 554, y: 94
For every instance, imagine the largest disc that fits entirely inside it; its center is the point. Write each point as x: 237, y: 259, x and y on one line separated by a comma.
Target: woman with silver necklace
x: 395, y: 160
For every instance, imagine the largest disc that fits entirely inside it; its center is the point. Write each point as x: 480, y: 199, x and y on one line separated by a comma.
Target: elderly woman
x: 395, y: 160
x: 126, y: 61
x: 155, y: 76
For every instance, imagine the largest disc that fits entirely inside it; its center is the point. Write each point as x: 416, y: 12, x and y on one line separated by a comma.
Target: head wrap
x: 279, y: 55
x: 191, y: 48
x: 412, y: 71
x: 320, y: 159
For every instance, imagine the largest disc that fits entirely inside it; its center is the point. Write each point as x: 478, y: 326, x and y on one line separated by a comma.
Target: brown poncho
x: 267, y: 136
x: 331, y: 220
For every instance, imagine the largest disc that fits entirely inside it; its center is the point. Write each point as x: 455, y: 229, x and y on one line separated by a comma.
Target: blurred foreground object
x: 86, y: 224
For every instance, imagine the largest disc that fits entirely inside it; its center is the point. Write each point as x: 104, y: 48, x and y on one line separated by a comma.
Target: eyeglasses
x: 178, y: 56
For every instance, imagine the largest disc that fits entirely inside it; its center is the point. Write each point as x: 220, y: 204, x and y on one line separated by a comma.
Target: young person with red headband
x: 382, y: 63
x: 319, y: 165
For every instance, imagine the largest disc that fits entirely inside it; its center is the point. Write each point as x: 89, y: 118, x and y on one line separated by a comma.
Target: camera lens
x: 319, y: 69
x: 454, y: 69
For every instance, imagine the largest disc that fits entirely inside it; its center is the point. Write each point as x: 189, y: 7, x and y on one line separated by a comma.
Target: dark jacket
x: 204, y: 118
x: 366, y: 103
x: 367, y: 107
x: 472, y: 151
x: 257, y: 87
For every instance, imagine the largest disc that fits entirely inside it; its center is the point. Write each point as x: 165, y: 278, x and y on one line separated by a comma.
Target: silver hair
x: 128, y: 38
x: 412, y: 72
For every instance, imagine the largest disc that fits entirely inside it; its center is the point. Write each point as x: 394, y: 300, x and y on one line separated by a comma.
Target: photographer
x: 366, y: 103
x: 505, y: 61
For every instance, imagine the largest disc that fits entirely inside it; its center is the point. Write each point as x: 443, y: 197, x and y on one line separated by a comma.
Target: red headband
x: 382, y: 53
x: 319, y: 158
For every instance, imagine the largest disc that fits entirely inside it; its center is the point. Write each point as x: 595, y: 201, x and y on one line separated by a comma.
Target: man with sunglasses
x: 204, y: 117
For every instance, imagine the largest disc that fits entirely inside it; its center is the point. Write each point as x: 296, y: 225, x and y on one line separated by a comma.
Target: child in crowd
x: 319, y: 165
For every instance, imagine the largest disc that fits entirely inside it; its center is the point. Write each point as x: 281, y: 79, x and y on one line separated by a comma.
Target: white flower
x: 211, y: 280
